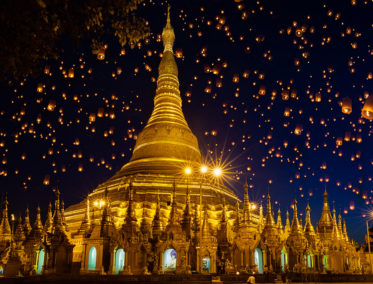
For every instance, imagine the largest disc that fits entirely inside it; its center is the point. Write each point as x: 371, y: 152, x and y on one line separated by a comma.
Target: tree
x: 30, y: 30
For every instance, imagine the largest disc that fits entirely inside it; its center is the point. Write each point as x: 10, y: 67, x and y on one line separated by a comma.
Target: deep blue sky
x: 333, y: 55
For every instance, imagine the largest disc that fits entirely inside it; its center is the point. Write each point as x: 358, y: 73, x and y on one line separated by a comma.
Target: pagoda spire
x: 86, y: 223
x: 27, y: 227
x: 57, y: 218
x: 287, y: 222
x: 340, y: 230
x: 49, y: 222
x: 269, y: 217
x: 246, y: 203
x: 19, y: 234
x: 166, y: 143
x: 38, y: 224
x: 326, y: 217
x: 344, y: 230
x: 308, y: 228
x: 4, y: 225
x: 279, y: 220
x: 295, y: 226
x: 131, y: 216
x: 335, y: 226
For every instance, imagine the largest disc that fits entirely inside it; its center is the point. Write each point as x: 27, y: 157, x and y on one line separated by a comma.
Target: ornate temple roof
x: 325, y: 223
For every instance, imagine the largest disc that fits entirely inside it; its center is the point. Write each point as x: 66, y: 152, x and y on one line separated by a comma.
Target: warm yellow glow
x: 217, y: 172
x: 188, y: 170
x: 203, y: 169
x: 99, y: 203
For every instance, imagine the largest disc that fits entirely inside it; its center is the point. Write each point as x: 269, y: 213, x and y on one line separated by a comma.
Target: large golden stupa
x: 164, y: 149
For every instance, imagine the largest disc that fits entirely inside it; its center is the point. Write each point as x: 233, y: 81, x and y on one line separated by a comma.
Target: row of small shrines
x: 253, y: 243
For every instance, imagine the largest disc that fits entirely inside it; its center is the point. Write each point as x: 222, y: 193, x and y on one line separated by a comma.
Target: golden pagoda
x: 160, y: 214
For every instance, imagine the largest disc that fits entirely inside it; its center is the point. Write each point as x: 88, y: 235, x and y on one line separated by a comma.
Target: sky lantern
x: 298, y: 129
x: 318, y: 97
x: 46, y: 180
x: 293, y: 94
x: 367, y: 111
x: 101, y: 52
x: 92, y: 117
x: 347, y: 136
x: 236, y: 78
x: 346, y: 105
x: 287, y: 112
x: 51, y: 105
x: 262, y: 90
x: 352, y: 205
x: 285, y: 95
x: 179, y: 53
x: 100, y: 112
x: 70, y: 73
x: 39, y: 88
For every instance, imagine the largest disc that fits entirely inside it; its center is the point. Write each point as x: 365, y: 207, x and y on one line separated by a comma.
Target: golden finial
x: 168, y: 35
x: 168, y: 16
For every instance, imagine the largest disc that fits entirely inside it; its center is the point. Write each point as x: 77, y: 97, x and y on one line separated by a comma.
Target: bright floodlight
x: 203, y: 169
x: 217, y: 172
x: 188, y: 170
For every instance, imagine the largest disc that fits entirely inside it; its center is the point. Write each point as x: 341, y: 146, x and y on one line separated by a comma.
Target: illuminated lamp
x: 367, y: 111
x: 346, y: 105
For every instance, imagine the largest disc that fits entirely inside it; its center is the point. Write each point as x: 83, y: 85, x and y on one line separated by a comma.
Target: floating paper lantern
x: 346, y: 105
x: 367, y: 111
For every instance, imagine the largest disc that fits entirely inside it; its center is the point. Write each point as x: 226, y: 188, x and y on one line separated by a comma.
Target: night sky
x: 237, y: 62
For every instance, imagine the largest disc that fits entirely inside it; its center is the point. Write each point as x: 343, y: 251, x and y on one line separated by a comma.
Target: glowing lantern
x: 70, y: 74
x: 216, y: 69
x: 236, y: 78
x: 285, y: 95
x: 293, y: 94
x: 101, y: 53
x: 80, y: 168
x: 119, y: 70
x: 367, y: 111
x: 47, y: 69
x: 46, y: 180
x: 287, y: 112
x: 262, y: 90
x: 346, y: 105
x: 100, y: 112
x: 92, y: 117
x: 339, y: 141
x: 318, y: 97
x: 179, y: 53
x: 51, y: 105
x: 39, y: 88
x: 246, y: 74
x: 298, y: 129
x: 352, y: 205
x: 347, y: 136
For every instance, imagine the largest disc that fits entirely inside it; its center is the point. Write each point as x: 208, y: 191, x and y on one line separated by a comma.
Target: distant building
x: 151, y: 217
